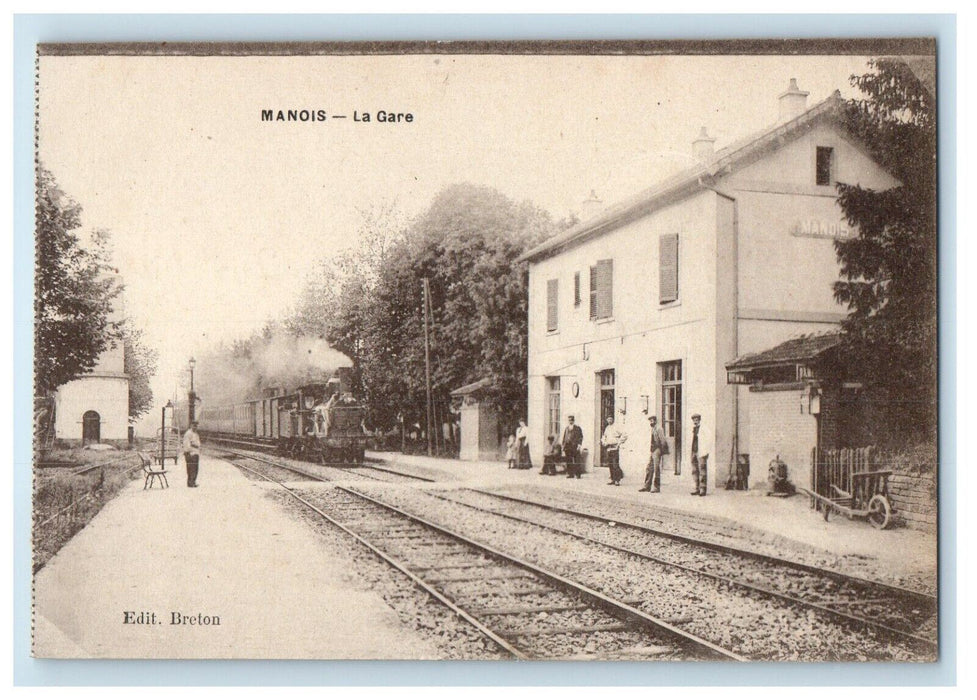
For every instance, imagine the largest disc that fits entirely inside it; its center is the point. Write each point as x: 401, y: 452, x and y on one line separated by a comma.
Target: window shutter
x: 576, y: 289
x: 552, y: 309
x: 593, y: 293
x: 605, y: 279
x: 668, y: 268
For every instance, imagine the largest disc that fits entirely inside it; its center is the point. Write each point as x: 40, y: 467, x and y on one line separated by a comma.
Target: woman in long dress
x: 522, y: 440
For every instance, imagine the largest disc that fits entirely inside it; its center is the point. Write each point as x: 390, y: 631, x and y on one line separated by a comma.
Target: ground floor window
x: 670, y: 374
x: 553, y: 406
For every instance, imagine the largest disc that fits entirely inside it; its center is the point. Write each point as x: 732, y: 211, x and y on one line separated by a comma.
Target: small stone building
x: 479, y: 424
x: 95, y: 407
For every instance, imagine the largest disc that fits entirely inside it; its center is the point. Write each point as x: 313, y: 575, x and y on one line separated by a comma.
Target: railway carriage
x: 320, y: 421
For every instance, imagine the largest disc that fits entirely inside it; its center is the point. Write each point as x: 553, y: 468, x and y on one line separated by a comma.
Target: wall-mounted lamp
x: 623, y: 410
x: 645, y: 403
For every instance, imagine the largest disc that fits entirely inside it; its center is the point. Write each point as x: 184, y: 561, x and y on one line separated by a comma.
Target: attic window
x: 823, y: 167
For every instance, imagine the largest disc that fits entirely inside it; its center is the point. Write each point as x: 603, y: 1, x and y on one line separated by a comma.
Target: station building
x: 638, y: 309
x: 95, y: 407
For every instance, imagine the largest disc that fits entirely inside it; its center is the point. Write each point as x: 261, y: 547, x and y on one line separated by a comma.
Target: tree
x: 889, y: 269
x: 140, y: 365
x: 466, y: 244
x: 73, y: 291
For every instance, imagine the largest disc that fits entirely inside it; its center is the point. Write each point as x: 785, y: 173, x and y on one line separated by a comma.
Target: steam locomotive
x: 320, y: 421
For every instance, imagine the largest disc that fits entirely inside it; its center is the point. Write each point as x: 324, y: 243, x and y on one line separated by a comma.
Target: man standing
x: 572, y: 439
x: 659, y: 448
x: 699, y: 463
x: 191, y: 452
x: 612, y: 440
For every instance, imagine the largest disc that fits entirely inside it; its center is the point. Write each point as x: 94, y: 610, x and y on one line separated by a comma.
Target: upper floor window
x: 824, y: 165
x: 601, y: 290
x: 576, y: 289
x: 552, y: 305
x: 668, y: 268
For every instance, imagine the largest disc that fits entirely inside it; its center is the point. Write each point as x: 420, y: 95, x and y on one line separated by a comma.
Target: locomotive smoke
x: 288, y: 361
x: 232, y: 374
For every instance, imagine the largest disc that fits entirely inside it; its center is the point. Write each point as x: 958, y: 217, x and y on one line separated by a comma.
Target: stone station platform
x: 222, y: 550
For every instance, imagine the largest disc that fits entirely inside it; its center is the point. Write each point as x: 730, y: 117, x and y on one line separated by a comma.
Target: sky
x: 217, y: 217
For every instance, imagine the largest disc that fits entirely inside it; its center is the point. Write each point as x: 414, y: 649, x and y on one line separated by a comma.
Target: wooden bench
x: 153, y: 472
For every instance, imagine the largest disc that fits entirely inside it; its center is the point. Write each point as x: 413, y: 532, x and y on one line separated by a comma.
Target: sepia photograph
x: 548, y: 351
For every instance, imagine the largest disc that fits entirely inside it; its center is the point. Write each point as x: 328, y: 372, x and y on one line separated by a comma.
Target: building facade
x: 95, y: 407
x: 638, y: 310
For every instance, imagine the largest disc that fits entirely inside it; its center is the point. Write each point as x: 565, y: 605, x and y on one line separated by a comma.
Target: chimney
x: 702, y: 147
x: 590, y: 206
x: 792, y: 102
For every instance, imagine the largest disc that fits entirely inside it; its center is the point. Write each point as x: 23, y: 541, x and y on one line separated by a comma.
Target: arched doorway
x: 91, y: 427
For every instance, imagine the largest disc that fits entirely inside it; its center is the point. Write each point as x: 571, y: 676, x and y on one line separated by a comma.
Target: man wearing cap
x: 659, y: 448
x: 572, y: 439
x: 699, y: 462
x: 191, y: 453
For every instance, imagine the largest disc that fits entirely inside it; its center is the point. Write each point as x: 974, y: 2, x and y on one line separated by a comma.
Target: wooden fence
x: 835, y: 468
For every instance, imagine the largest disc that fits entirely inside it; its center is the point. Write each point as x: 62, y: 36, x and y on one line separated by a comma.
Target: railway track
x: 328, y: 473
x: 888, y: 611
x: 527, y: 611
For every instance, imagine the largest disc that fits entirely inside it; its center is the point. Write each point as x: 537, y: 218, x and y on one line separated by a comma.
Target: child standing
x: 512, y: 452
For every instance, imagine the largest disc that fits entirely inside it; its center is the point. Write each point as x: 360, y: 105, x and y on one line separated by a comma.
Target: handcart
x: 869, y: 498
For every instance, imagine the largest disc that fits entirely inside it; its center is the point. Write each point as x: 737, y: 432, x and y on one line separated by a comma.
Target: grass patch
x: 64, y: 502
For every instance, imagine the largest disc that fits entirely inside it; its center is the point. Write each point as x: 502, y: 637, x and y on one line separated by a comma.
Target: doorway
x: 670, y: 374
x: 605, y: 408
x: 91, y: 428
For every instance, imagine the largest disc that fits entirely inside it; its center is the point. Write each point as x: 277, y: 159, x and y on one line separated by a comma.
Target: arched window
x: 91, y: 427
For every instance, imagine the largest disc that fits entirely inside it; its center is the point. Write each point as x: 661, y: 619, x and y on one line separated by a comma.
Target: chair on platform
x: 153, y: 472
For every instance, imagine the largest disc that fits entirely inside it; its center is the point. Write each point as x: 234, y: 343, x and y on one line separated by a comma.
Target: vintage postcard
x: 486, y: 351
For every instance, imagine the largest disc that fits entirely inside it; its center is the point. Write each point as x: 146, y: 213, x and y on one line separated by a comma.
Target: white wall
x: 108, y: 396
x: 641, y: 333
x: 781, y: 282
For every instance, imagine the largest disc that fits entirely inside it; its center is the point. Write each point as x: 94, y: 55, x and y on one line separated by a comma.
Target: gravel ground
x: 754, y: 627
x: 875, y: 604
x: 453, y: 636
x: 730, y: 533
x: 540, y: 634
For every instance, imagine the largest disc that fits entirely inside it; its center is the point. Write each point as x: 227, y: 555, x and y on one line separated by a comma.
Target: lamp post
x: 192, y: 396
x: 162, y: 432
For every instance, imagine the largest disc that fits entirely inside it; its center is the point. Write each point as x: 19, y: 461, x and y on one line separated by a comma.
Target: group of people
x: 567, y: 450
x: 612, y: 439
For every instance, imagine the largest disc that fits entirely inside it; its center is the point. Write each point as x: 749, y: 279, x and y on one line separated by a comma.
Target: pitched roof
x: 685, y: 182
x: 805, y: 347
x: 472, y: 388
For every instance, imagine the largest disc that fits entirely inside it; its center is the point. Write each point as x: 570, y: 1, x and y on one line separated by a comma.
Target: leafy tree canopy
x: 140, y: 365
x: 888, y: 271
x: 73, y: 291
x: 465, y: 244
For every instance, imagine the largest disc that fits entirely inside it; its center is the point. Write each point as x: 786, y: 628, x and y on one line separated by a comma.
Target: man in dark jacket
x: 659, y: 448
x: 572, y: 439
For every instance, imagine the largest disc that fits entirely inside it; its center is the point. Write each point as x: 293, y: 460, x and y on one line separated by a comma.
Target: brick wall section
x: 780, y: 425
x: 913, y: 497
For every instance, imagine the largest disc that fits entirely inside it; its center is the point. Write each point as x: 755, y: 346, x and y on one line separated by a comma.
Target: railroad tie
x: 586, y: 629
x: 466, y: 579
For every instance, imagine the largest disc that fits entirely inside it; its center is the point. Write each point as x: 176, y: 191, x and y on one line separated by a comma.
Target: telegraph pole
x: 192, y: 397
x: 425, y: 287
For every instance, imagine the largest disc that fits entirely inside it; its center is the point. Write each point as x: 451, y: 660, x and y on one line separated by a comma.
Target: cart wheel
x: 879, y: 511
